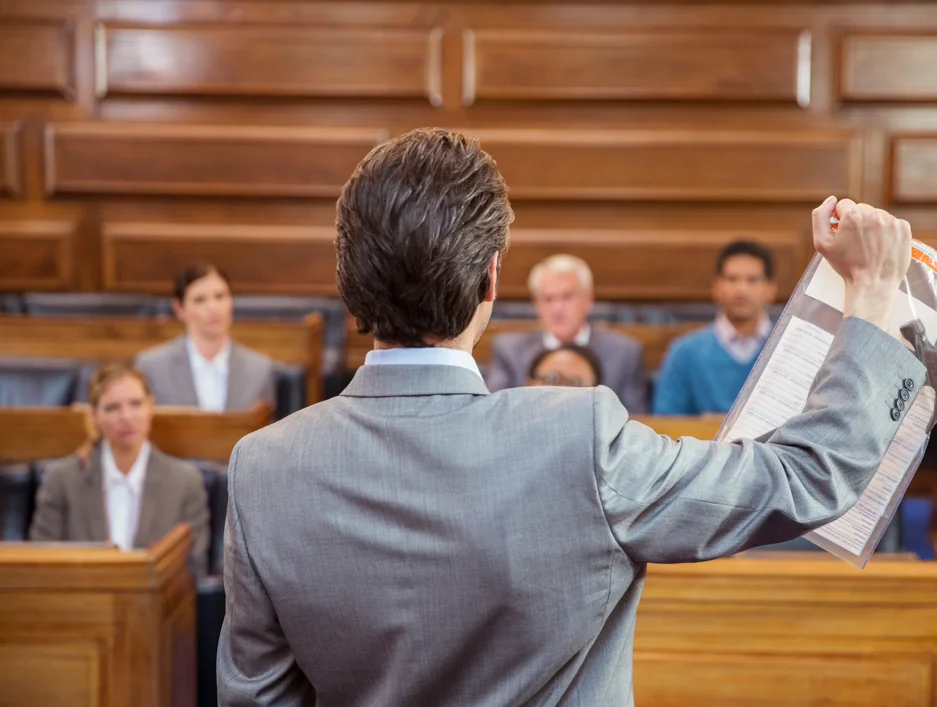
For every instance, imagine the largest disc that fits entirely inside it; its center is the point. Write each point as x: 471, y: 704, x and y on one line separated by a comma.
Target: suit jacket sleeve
x: 498, y: 375
x: 48, y: 521
x: 255, y: 662
x: 687, y: 500
x: 269, y: 395
x: 195, y: 513
x: 634, y: 392
x: 672, y: 389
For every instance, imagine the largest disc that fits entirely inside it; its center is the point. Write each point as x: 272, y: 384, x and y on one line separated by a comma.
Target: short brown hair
x: 193, y: 272
x: 107, y: 374
x: 417, y: 225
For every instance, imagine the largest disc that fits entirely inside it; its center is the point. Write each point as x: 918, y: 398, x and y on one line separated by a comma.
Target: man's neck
x: 745, y: 327
x: 126, y: 457
x: 209, y: 348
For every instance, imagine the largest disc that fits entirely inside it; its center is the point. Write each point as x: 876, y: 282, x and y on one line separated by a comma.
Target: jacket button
x: 895, y: 414
x: 908, y: 384
x: 904, y: 395
x: 899, y: 404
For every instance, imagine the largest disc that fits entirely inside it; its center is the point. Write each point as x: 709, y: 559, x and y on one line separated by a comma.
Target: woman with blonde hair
x: 129, y: 492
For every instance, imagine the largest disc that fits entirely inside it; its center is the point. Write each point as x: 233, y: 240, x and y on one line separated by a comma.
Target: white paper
x: 828, y: 287
x: 854, y: 530
x: 782, y: 389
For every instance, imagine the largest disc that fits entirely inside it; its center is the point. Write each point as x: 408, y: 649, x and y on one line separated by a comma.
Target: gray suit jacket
x: 419, y: 541
x: 166, y: 367
x: 70, y: 504
x: 621, y: 356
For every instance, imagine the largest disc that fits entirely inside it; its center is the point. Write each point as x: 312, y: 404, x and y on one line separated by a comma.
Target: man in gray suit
x: 421, y: 541
x: 561, y: 288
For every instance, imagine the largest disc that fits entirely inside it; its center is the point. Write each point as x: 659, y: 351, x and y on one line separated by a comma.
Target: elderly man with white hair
x: 561, y: 289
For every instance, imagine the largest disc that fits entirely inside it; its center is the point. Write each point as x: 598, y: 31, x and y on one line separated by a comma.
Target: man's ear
x: 177, y: 308
x: 492, y: 278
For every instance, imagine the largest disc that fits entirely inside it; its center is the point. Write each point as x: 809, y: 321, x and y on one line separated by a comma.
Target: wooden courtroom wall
x: 136, y: 135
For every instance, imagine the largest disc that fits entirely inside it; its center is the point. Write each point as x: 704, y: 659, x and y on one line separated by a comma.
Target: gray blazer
x: 70, y: 504
x: 166, y: 367
x: 621, y: 356
x: 419, y: 541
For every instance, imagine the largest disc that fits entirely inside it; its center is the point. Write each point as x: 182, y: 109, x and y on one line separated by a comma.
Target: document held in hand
x: 780, y: 382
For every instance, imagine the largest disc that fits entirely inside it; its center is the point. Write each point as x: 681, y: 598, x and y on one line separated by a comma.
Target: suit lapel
x: 182, y: 373
x: 237, y: 372
x: 92, y: 502
x: 151, y: 502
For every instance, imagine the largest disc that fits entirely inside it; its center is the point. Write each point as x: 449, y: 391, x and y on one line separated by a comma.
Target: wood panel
x: 97, y: 626
x: 37, y: 57
x: 914, y: 169
x: 674, y: 165
x: 204, y: 160
x: 144, y: 257
x: 10, y: 160
x: 888, y: 67
x: 753, y: 64
x: 36, y: 255
x: 271, y: 61
x: 180, y: 432
x: 24, y: 679
x: 655, y: 338
x: 647, y: 265
x: 738, y: 680
x: 787, y: 632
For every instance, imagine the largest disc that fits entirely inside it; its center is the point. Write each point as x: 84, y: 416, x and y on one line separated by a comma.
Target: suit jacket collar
x: 405, y: 381
x: 182, y: 372
x: 238, y: 371
x: 95, y: 512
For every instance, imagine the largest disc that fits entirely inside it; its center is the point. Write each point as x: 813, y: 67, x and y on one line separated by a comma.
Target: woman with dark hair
x: 204, y: 368
x: 569, y: 365
x: 128, y: 492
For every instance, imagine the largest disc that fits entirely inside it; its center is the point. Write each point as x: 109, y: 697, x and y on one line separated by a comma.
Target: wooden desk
x: 654, y: 337
x: 743, y: 632
x: 89, y: 625
x: 46, y: 433
x: 676, y: 427
x: 109, y: 339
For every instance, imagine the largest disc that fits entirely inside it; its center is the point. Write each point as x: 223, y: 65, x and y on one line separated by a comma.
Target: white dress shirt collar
x: 550, y: 342
x: 123, y: 494
x: 741, y: 348
x: 427, y: 356
x: 210, y: 376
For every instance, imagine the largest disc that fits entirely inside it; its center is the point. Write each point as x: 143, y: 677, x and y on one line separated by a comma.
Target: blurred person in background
x: 561, y: 288
x: 704, y: 371
x: 129, y: 492
x: 204, y: 368
x: 569, y: 365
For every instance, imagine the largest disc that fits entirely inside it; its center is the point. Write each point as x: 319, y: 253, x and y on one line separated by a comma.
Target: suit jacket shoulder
x: 173, y: 470
x: 160, y: 354
x: 254, y: 359
x: 613, y: 340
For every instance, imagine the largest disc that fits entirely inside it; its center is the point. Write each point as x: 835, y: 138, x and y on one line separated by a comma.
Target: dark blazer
x: 621, y: 356
x: 70, y: 504
x: 166, y: 367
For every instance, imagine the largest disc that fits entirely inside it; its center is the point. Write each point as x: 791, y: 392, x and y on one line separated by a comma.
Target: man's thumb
x: 822, y: 229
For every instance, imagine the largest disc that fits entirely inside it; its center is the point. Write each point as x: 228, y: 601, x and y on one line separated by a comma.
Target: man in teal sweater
x: 704, y: 371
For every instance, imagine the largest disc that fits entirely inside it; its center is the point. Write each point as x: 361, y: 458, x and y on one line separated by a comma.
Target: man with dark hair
x: 569, y: 365
x: 421, y: 541
x: 704, y: 371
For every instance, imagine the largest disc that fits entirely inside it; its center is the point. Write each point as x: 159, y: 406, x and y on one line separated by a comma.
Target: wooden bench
x: 655, y: 338
x: 107, y: 339
x: 27, y: 434
x: 787, y: 632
